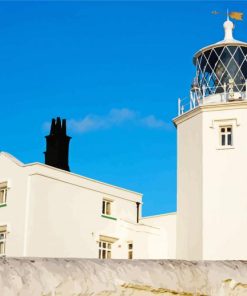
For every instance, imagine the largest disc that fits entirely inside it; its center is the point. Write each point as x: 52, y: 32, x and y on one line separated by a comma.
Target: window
x: 105, y: 249
x: 106, y: 207
x: 3, y: 193
x: 226, y: 136
x: 130, y: 250
x: 105, y: 246
x: 3, y: 231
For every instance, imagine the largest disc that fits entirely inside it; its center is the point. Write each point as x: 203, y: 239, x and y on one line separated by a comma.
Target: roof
x: 12, y: 158
x: 159, y: 215
x: 63, y: 172
x: 228, y: 40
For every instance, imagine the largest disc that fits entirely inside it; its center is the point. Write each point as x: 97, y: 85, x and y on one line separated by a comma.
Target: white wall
x: 53, y: 213
x: 13, y: 214
x: 189, y: 188
x: 212, y: 189
x: 66, y: 220
x: 224, y: 187
x: 164, y: 244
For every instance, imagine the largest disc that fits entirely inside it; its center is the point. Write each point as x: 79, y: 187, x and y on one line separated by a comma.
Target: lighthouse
x: 212, y: 155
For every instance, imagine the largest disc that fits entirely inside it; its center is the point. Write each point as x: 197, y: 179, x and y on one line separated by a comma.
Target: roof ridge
x: 12, y: 158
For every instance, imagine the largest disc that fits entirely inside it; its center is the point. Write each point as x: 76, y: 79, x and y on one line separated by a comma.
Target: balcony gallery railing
x: 216, y: 94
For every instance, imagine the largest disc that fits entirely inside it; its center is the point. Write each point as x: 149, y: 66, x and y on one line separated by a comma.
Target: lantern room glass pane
x: 218, y: 50
x: 213, y: 59
x: 232, y: 68
x: 239, y: 56
x: 216, y: 66
x: 244, y: 49
x: 244, y: 69
x: 202, y: 62
x: 232, y: 49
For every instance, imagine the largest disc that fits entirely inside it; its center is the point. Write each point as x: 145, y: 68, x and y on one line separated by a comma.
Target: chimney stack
x: 57, y: 145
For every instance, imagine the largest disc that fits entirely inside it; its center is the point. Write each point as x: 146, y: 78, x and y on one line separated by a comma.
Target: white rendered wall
x: 13, y: 214
x: 189, y: 188
x: 166, y: 240
x: 224, y: 184
x: 66, y: 220
x: 212, y: 189
x: 53, y: 213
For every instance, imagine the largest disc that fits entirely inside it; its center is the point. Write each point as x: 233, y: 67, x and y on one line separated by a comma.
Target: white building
x: 212, y: 156
x: 46, y: 211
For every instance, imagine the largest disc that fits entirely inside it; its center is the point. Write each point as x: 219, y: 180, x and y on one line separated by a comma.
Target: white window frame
x: 3, y: 234
x: 107, y: 207
x: 105, y: 249
x: 216, y: 126
x: 3, y: 190
x: 130, y: 250
x: 224, y: 132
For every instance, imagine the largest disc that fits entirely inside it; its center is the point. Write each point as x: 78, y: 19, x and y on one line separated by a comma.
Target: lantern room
x: 218, y: 64
x: 221, y: 72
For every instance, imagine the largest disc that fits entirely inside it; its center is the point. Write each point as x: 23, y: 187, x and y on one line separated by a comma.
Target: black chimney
x: 57, y: 145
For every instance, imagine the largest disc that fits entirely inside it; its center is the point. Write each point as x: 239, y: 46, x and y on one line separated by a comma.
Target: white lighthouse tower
x: 212, y: 155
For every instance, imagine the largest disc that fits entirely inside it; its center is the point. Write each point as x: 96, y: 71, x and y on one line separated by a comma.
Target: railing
x: 205, y: 95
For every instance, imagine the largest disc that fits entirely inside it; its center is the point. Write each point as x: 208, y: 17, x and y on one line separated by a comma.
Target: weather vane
x: 236, y: 15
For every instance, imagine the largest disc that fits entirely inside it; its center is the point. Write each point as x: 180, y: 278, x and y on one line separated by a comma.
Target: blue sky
x: 114, y: 70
